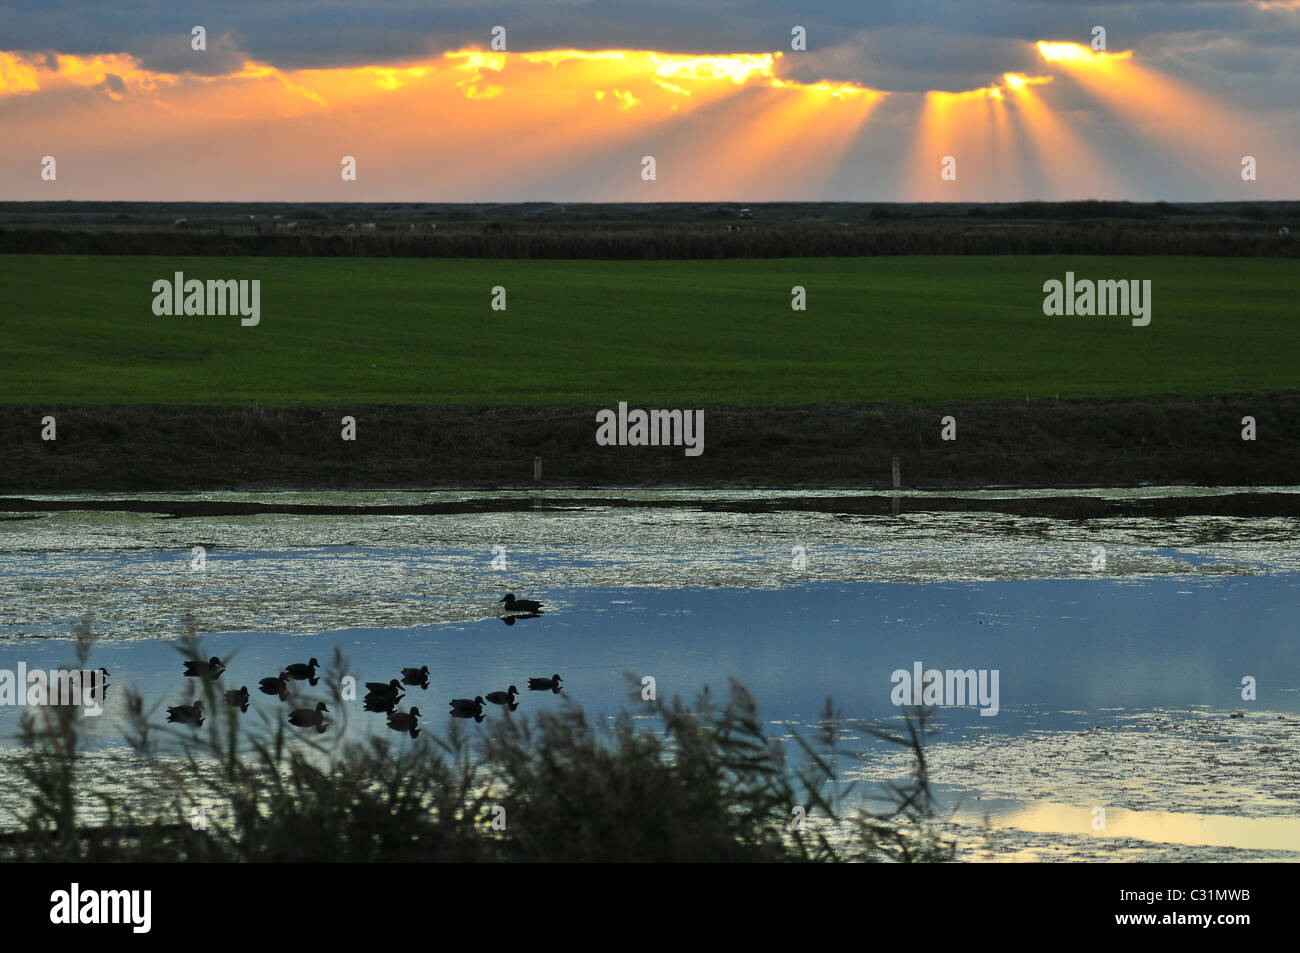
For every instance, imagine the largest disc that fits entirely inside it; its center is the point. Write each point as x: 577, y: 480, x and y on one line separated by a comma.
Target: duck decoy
x: 416, y: 676
x: 503, y: 698
x: 238, y: 699
x: 196, y: 668
x: 309, y: 717
x: 299, y: 671
x: 404, y: 720
x: 551, y: 684
x: 470, y: 705
x: 520, y: 605
x: 380, y: 689
x: 186, y: 714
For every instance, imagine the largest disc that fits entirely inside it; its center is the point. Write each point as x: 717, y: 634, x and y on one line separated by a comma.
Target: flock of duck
x: 380, y: 697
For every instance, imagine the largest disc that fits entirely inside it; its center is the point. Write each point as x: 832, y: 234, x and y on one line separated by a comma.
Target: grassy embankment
x: 448, y: 391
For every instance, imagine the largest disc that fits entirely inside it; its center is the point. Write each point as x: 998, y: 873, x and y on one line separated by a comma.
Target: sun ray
x: 1174, y: 117
x: 733, y: 123
x: 1071, y: 166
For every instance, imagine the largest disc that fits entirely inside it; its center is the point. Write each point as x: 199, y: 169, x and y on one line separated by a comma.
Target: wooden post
x: 897, y: 475
x: 537, y: 468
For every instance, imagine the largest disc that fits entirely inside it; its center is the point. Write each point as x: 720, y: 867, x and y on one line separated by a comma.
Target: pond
x: 1138, y: 664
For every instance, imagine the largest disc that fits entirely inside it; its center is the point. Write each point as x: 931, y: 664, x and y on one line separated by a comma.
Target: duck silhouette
x: 416, y: 676
x: 309, y: 717
x: 551, y: 684
x: 187, y: 714
x: 467, y: 707
x: 197, y: 668
x: 408, y: 721
x: 520, y: 605
x: 381, y: 702
x: 238, y: 698
x: 390, y: 689
x: 503, y: 698
x: 302, y: 672
x: 276, y: 687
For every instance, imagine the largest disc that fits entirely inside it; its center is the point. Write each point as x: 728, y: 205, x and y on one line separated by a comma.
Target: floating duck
x: 404, y: 720
x: 502, y: 698
x: 381, y: 702
x: 473, y: 706
x: 309, y: 717
x: 520, y: 605
x: 186, y: 714
x: 238, y: 699
x: 300, y: 671
x: 551, y: 684
x: 389, y: 689
x: 196, y: 668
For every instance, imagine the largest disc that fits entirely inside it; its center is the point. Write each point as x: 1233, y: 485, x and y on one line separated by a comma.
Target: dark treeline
x: 684, y: 243
x: 658, y: 231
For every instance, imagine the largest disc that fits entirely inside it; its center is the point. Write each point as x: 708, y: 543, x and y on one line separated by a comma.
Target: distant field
x: 80, y: 330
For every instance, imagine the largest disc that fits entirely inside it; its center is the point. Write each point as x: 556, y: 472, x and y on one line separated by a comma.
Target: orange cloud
x: 1077, y: 53
x: 45, y: 72
x: 466, y: 120
x: 478, y: 74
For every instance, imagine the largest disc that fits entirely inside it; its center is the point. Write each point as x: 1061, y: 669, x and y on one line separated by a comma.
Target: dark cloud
x: 902, y: 45
x: 113, y: 84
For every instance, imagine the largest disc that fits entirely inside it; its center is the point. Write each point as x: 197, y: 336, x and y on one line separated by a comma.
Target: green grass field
x: 81, y: 330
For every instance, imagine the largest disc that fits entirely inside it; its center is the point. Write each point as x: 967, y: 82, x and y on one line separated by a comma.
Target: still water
x: 1117, y: 645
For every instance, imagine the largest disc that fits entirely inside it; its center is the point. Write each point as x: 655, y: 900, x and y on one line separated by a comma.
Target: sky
x: 734, y: 100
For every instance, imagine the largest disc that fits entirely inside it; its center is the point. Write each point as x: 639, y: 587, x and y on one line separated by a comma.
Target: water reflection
x: 1160, y: 827
x: 1066, y: 650
x: 510, y: 619
x: 1115, y: 686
